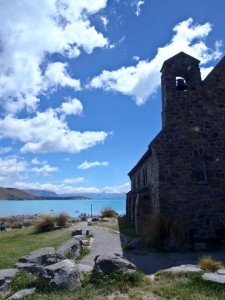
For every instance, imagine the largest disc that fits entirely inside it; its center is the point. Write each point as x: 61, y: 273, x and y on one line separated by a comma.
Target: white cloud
x: 12, y: 166
x: 136, y: 58
x: 30, y: 32
x: 66, y: 189
x: 74, y: 180
x: 4, y: 150
x: 71, y: 107
x: 46, y: 132
x: 105, y: 21
x: 35, y: 161
x: 44, y: 170
x: 87, y: 165
x: 141, y: 81
x: 137, y: 5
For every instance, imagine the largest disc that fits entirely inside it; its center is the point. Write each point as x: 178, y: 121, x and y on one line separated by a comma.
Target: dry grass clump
x: 160, y: 228
x: 45, y: 223
x: 61, y: 219
x: 207, y: 263
x: 108, y: 212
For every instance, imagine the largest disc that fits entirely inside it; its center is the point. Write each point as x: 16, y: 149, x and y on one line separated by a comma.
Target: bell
x: 181, y: 85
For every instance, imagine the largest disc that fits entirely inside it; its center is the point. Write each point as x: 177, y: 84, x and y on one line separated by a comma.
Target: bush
x: 160, y: 228
x: 61, y: 219
x: 45, y: 223
x: 108, y: 212
x: 206, y: 263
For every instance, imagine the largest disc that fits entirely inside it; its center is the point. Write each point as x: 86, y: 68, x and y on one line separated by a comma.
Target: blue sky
x: 80, y: 95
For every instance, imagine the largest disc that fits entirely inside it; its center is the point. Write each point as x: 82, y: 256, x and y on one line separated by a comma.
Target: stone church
x: 182, y: 173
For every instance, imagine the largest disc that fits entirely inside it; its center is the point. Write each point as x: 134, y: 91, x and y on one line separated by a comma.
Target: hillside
x: 15, y: 194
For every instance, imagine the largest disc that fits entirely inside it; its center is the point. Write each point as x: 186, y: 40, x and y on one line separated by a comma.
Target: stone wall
x: 183, y: 172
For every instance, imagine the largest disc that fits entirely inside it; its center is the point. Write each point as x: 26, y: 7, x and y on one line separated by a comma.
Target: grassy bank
x: 19, y: 242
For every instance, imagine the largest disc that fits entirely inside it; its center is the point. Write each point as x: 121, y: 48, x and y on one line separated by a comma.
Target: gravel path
x: 105, y: 242
x: 108, y: 242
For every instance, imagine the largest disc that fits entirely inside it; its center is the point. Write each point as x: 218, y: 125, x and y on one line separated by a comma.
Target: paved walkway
x: 108, y: 242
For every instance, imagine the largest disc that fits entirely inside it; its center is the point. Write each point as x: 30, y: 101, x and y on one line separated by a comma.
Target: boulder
x: 109, y: 263
x: 214, y: 277
x: 35, y: 260
x: 70, y: 248
x: 6, y: 276
x: 22, y: 294
x: 84, y: 268
x: 182, y: 269
x: 95, y: 219
x: 63, y: 275
x: 77, y: 232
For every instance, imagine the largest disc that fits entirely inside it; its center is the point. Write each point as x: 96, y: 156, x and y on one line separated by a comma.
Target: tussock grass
x: 207, y: 263
x: 45, y: 223
x: 160, y: 228
x: 108, y: 212
x: 61, y: 219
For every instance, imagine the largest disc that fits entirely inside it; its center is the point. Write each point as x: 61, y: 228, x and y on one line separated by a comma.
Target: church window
x: 181, y: 84
x: 200, y: 170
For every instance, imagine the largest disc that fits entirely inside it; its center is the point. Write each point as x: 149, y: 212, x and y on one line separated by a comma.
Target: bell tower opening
x: 181, y: 84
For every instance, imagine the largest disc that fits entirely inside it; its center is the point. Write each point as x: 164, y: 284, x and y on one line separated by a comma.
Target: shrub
x: 108, y: 212
x: 160, y: 228
x: 45, y: 223
x: 61, y: 219
x: 206, y: 263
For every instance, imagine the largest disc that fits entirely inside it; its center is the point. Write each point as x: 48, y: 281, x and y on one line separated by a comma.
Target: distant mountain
x: 15, y: 194
x: 41, y: 193
x: 47, y: 194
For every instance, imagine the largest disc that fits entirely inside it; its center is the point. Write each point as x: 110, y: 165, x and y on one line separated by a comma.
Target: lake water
x: 72, y: 207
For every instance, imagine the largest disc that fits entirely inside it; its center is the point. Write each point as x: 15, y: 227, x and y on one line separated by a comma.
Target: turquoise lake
x: 72, y: 207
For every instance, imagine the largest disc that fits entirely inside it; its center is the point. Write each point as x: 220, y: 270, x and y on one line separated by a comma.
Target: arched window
x: 181, y: 84
x: 200, y: 170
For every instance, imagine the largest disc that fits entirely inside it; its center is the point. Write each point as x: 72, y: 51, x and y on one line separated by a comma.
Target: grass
x: 206, y: 263
x: 19, y: 242
x: 189, y: 286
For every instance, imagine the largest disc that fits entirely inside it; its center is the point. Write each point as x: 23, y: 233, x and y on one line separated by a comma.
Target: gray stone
x: 77, y: 232
x: 63, y: 275
x: 37, y: 259
x: 69, y: 248
x: 221, y: 271
x: 84, y: 268
x: 6, y: 276
x: 22, y: 294
x: 215, y: 277
x: 135, y: 244
x: 183, y: 269
x: 109, y: 263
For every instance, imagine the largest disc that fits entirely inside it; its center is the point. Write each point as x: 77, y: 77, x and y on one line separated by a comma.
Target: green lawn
x: 19, y: 242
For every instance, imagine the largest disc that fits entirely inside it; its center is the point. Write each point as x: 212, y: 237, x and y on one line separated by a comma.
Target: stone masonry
x: 182, y: 174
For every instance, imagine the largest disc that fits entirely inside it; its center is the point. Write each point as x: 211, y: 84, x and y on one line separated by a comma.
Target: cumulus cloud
x: 87, y: 165
x: 71, y: 107
x: 74, y: 180
x: 142, y: 80
x: 46, y: 132
x: 67, y: 189
x: 12, y: 166
x: 45, y: 170
x: 36, y: 161
x: 30, y: 33
x: 105, y: 21
x: 4, y: 150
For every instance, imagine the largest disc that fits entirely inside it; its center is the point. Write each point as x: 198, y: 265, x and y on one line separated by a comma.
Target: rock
x: 63, y: 275
x: 183, y: 269
x: 95, y: 219
x: 200, y: 246
x: 69, y: 248
x: 221, y: 271
x: 22, y: 293
x: 135, y: 244
x: 214, y: 277
x: 109, y: 263
x: 35, y: 260
x: 84, y: 268
x: 77, y: 232
x: 6, y: 276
